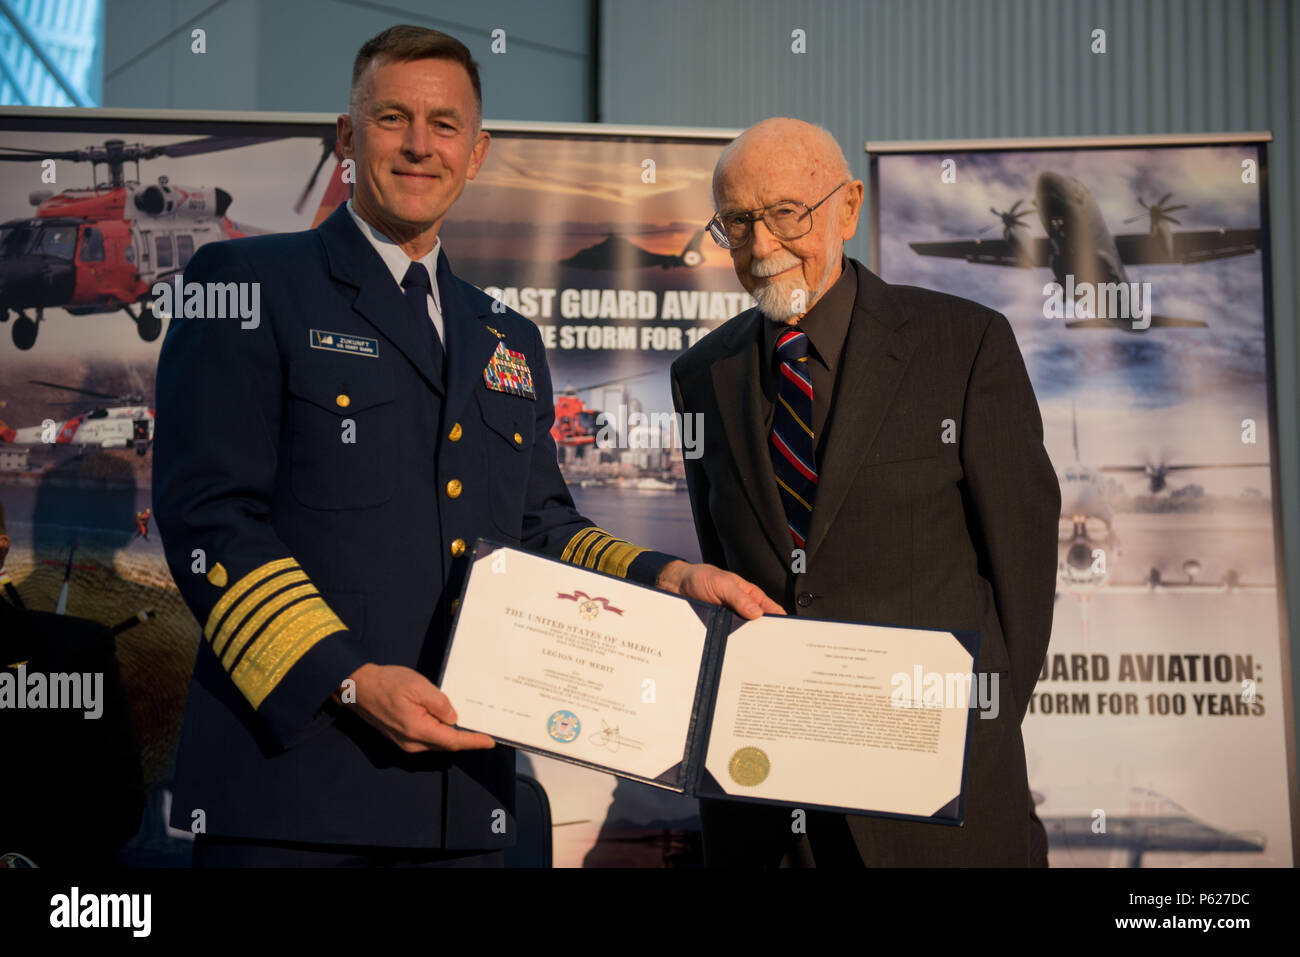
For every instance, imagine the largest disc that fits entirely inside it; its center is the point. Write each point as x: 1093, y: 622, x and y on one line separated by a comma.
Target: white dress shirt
x: 398, y: 262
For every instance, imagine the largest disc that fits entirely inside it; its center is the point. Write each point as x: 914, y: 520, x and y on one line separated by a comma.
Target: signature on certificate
x: 609, y: 738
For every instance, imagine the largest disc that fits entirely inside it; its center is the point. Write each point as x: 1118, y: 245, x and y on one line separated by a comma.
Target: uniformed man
x: 321, y: 470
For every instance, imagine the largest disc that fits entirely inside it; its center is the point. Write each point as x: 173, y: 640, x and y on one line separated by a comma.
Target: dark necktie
x: 792, y: 436
x: 416, y: 287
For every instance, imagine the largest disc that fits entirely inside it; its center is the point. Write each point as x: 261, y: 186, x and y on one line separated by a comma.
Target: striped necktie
x: 792, y: 436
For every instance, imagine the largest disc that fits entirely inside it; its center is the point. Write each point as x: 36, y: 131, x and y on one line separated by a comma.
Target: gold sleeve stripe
x: 592, y: 558
x: 595, y: 548
x: 593, y: 544
x: 617, y: 559
x: 234, y: 621
x: 271, y: 656
x: 576, y: 541
x: 266, y: 615
x: 237, y: 590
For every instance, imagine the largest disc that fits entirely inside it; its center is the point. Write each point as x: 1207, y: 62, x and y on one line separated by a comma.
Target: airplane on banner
x: 1165, y: 828
x: 1086, y: 513
x: 128, y: 426
x: 101, y: 248
x: 615, y: 252
x: 1089, y: 547
x: 1082, y: 253
x: 1156, y: 471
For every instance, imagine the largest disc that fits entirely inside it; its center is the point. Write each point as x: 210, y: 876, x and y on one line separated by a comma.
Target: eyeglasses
x: 786, y: 220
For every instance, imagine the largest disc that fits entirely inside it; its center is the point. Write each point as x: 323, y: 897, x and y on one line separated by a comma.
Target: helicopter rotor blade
x: 207, y: 144
x: 598, y: 385
x: 327, y: 150
x: 14, y: 154
x: 69, y: 388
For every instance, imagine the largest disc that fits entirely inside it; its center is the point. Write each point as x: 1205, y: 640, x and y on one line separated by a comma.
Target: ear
x: 343, y: 130
x: 478, y: 153
x: 851, y: 209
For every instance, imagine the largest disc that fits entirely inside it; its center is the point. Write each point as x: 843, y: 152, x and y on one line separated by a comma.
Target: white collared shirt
x: 398, y: 262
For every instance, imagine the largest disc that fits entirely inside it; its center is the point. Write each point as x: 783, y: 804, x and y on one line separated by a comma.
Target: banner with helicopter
x: 1135, y: 276
x: 596, y: 234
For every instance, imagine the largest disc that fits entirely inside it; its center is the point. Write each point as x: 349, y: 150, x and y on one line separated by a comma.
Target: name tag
x: 338, y: 342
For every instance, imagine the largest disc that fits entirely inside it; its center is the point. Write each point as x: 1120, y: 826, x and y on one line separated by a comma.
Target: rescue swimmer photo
x: 743, y: 436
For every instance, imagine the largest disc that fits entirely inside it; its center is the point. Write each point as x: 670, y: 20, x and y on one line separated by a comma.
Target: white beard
x: 784, y: 299
x: 777, y: 300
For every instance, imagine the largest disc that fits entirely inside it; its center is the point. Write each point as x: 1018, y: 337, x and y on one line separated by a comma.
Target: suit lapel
x: 378, y: 298
x: 469, y: 343
x: 738, y: 395
x: 875, y: 358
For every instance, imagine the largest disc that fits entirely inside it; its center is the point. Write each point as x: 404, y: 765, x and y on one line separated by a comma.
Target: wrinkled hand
x: 711, y: 584
x: 409, y: 709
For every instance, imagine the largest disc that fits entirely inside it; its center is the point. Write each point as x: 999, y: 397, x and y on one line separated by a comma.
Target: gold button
x: 519, y: 439
x: 342, y: 400
x: 453, y: 488
x: 457, y: 547
x: 455, y: 603
x: 455, y: 432
x: 217, y: 575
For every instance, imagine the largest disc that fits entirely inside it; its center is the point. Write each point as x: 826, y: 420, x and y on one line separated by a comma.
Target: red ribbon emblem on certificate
x: 588, y: 606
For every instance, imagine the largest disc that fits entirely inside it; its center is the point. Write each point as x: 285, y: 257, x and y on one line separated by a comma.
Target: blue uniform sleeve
x: 552, y: 525
x: 216, y: 441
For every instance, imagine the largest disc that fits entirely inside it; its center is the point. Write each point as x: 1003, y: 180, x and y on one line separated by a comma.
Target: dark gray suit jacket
x: 907, y: 529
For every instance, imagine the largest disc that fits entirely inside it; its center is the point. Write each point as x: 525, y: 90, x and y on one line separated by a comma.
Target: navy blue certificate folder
x: 800, y: 712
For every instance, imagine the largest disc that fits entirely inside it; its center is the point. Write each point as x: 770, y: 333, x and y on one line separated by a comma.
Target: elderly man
x: 882, y: 462
x: 319, y: 476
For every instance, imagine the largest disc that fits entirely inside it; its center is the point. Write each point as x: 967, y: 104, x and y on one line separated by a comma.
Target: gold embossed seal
x: 749, y: 766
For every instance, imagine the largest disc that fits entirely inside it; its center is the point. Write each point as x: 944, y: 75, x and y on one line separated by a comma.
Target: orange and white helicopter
x: 102, y: 248
x: 126, y: 426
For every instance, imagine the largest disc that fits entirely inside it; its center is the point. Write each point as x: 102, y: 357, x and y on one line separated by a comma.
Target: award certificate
x: 612, y: 675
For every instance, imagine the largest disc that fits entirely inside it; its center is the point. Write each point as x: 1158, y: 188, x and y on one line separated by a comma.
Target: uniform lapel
x: 875, y: 358
x: 354, y: 262
x: 738, y: 394
x: 469, y: 343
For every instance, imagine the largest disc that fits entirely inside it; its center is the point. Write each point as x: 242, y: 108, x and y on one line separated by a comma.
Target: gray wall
x: 948, y: 69
x: 297, y: 54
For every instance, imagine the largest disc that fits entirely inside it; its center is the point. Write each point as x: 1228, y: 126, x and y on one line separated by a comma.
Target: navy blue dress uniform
x: 319, y: 483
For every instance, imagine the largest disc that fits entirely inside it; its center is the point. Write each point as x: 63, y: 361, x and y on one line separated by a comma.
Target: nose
x: 762, y: 242
x: 418, y: 139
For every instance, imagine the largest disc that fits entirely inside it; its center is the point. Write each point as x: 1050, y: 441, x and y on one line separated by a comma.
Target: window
x: 16, y: 240
x: 163, y: 252
x: 184, y: 249
x: 58, y: 241
x: 65, y: 33
x: 92, y: 246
